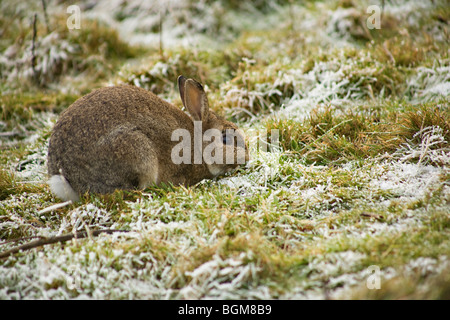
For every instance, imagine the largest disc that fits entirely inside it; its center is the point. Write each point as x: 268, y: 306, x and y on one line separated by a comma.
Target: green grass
x: 332, y: 136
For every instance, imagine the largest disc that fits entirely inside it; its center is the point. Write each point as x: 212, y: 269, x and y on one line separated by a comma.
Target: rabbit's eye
x: 227, y: 139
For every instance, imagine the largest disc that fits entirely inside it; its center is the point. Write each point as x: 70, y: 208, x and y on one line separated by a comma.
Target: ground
x: 351, y: 201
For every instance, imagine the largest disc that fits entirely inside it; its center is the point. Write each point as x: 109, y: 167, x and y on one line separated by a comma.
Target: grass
x: 94, y: 51
x: 330, y: 135
x: 153, y: 74
x: 360, y: 178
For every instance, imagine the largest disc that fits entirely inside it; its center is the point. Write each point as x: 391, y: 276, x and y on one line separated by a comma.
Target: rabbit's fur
x: 121, y: 138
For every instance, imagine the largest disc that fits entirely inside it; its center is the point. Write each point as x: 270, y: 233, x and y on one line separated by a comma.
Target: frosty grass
x: 279, y: 228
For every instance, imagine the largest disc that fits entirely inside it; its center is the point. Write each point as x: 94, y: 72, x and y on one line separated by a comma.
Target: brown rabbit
x: 125, y: 137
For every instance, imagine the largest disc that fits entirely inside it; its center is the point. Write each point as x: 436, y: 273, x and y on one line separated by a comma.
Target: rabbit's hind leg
x: 127, y: 161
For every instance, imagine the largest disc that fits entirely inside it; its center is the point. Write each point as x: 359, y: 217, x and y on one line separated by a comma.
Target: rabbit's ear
x: 194, y: 98
x: 181, y: 86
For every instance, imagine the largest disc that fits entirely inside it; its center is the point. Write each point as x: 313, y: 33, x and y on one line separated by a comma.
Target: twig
x: 55, y: 206
x: 33, y: 52
x: 9, y: 134
x: 20, y: 239
x: 372, y: 215
x: 63, y: 238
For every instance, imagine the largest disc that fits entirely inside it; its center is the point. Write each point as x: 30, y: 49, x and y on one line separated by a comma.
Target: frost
x: 53, y: 57
x: 328, y: 83
x: 432, y: 148
x: 343, y: 23
x: 295, y: 208
x: 33, y: 168
x: 408, y: 180
x: 183, y: 23
x: 86, y: 217
x: 430, y: 83
x: 427, y: 268
x: 336, y: 263
x: 223, y: 279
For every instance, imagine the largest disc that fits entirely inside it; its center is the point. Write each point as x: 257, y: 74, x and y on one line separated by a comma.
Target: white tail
x: 62, y: 189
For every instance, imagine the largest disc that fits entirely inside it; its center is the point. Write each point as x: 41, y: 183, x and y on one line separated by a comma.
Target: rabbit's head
x: 217, y: 142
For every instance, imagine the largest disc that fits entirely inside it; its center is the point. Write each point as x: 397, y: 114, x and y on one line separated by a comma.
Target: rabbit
x: 125, y: 137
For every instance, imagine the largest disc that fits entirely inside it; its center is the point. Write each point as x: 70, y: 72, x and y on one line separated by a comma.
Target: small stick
x: 9, y: 134
x: 55, y: 206
x: 20, y: 239
x: 63, y: 238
